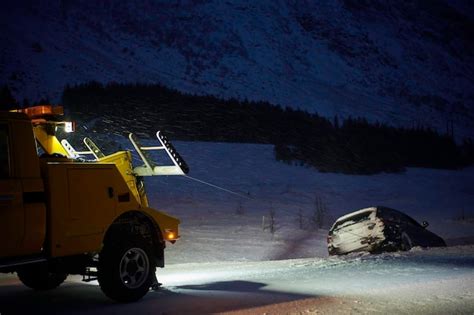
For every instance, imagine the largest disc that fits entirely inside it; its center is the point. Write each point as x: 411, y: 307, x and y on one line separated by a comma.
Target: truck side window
x: 39, y: 149
x: 4, y: 152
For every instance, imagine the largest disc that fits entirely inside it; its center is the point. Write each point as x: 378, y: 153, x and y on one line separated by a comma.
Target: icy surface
x: 439, y: 281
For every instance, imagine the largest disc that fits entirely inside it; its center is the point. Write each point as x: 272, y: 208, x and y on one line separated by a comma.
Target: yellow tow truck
x: 64, y: 211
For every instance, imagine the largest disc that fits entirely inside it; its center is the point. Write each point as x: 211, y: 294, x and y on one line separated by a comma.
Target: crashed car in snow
x: 378, y: 229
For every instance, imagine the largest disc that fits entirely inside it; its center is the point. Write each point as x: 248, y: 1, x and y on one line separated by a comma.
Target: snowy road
x: 439, y: 281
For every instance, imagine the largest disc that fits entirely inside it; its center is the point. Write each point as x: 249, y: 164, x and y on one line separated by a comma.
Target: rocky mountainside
x: 403, y: 62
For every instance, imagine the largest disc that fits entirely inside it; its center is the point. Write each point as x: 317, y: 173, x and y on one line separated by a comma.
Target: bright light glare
x: 169, y: 234
x: 68, y: 127
x: 181, y: 278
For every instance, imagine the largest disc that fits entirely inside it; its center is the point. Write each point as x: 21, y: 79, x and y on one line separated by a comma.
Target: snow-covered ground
x: 436, y: 281
x: 225, y: 262
x: 218, y: 226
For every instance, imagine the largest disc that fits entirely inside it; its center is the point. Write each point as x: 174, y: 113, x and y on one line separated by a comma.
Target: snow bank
x: 219, y: 226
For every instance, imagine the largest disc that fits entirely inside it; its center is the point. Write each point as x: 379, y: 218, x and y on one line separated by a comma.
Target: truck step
x: 90, y: 275
x: 18, y: 261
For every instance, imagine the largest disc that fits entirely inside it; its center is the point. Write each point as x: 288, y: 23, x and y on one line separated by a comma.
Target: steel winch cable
x: 217, y: 187
x: 226, y: 190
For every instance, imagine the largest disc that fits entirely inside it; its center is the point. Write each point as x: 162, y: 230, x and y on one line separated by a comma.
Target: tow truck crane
x: 79, y: 212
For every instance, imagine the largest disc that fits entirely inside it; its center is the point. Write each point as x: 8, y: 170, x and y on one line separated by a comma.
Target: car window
x: 410, y: 221
x: 396, y: 217
x: 388, y: 215
x: 4, y: 152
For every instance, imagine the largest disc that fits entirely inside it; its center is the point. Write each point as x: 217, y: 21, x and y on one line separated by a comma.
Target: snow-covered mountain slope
x: 407, y: 62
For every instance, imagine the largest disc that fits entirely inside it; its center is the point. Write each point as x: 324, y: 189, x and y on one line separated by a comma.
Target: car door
x: 414, y: 230
x: 12, y: 216
x: 393, y: 224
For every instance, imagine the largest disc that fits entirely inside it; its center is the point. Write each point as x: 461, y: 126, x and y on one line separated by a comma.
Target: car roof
x: 349, y: 215
x: 387, y: 209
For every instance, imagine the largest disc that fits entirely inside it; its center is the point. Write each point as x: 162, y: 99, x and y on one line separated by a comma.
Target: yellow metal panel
x: 123, y: 162
x: 48, y: 140
x: 25, y: 158
x: 35, y: 228
x: 35, y: 215
x: 164, y: 221
x: 91, y: 199
x: 11, y: 218
x: 57, y: 192
x: 81, y: 206
x: 32, y: 184
x: 22, y: 210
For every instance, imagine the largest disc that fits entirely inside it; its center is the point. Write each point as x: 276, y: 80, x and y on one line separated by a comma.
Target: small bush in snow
x: 272, y: 221
x: 300, y: 219
x: 268, y: 222
x: 239, y: 210
x: 319, y: 212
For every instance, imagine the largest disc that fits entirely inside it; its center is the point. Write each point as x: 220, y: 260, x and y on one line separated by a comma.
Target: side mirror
x: 425, y: 224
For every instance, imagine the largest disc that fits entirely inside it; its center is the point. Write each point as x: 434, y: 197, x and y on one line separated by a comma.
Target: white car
x: 378, y: 229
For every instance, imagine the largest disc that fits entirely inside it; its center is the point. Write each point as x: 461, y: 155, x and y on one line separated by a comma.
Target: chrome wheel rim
x: 134, y: 268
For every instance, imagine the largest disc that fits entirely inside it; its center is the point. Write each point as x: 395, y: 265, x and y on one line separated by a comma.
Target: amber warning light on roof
x: 41, y: 111
x: 47, y: 114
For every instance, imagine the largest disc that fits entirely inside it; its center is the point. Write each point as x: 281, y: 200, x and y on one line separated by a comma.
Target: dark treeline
x: 350, y: 146
x: 8, y: 102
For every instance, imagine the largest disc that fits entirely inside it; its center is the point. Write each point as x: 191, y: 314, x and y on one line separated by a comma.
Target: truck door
x: 12, y: 216
x: 22, y: 201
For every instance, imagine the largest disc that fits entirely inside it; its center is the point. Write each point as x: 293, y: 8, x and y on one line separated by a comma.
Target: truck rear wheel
x: 39, y: 277
x: 126, y: 268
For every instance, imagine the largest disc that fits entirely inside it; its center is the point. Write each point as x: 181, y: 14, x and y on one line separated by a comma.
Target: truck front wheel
x: 39, y: 277
x: 126, y: 268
